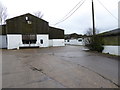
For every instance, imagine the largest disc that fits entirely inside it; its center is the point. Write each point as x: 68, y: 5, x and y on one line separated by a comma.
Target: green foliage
x: 95, y: 43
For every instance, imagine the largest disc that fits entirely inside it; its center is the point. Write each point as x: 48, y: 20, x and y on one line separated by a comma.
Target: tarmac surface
x: 58, y: 67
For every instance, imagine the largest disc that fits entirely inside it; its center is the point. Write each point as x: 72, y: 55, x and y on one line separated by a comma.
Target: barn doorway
x: 29, y: 39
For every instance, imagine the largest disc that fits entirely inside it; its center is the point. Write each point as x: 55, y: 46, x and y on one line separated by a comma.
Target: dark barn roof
x: 31, y: 25
x: 56, y: 33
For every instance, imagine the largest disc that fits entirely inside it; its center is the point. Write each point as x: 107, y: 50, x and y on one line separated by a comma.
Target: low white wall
x: 74, y: 42
x: 45, y: 40
x: 3, y: 42
x: 58, y: 42
x: 50, y: 43
x: 114, y: 50
x: 14, y: 41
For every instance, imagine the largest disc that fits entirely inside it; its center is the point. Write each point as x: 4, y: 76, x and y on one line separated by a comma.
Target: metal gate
x: 29, y: 39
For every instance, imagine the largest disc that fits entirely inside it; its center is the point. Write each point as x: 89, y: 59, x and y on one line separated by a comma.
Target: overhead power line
x: 68, y: 15
x: 73, y: 9
x: 107, y: 10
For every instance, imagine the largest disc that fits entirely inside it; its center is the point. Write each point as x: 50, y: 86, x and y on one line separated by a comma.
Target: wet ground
x: 58, y: 67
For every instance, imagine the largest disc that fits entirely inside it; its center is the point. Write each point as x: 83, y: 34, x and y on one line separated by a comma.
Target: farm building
x: 30, y: 31
x: 111, y: 41
x: 73, y: 39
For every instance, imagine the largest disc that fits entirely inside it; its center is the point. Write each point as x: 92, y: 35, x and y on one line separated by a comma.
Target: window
x: 26, y: 18
x: 41, y: 41
x: 80, y: 40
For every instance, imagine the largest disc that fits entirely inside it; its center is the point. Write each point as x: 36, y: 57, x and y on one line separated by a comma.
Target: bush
x: 95, y: 43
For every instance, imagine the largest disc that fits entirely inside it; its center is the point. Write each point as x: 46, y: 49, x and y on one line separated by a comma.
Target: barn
x: 30, y: 31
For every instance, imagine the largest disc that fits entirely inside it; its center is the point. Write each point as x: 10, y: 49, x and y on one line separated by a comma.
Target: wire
x: 72, y: 9
x: 71, y: 13
x: 108, y: 10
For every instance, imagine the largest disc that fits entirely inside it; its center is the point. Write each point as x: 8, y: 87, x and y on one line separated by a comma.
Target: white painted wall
x: 51, y: 43
x: 112, y: 50
x: 3, y: 42
x: 58, y: 42
x: 45, y: 40
x: 14, y: 41
x: 74, y: 41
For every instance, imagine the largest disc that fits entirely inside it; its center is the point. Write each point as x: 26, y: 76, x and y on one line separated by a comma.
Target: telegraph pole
x: 93, y: 18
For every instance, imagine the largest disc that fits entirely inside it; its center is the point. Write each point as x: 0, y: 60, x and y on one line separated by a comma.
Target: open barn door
x: 29, y: 39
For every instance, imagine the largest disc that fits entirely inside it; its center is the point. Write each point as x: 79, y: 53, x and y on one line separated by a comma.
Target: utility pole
x: 93, y: 18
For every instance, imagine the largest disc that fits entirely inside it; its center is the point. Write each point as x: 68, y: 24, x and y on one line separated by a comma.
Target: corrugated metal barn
x: 30, y: 31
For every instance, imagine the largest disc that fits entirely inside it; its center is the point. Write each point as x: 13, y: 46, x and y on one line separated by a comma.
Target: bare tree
x: 38, y: 14
x: 3, y: 14
x: 89, y: 32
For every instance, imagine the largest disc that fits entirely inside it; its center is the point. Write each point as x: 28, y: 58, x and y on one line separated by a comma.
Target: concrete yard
x: 58, y: 67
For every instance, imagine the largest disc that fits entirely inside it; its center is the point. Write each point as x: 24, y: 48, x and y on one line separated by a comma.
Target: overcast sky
x: 55, y: 10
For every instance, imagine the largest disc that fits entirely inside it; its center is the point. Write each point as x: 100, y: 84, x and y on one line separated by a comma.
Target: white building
x: 74, y: 39
x: 78, y: 41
